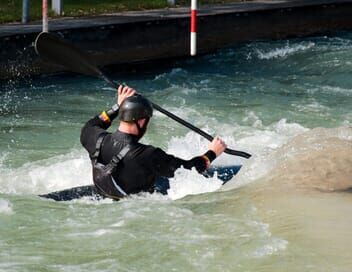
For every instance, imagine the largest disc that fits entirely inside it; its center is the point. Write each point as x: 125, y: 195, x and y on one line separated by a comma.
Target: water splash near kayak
x: 43, y: 176
x: 191, y: 183
x: 319, y: 159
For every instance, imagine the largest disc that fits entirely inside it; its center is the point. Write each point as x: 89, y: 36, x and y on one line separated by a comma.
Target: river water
x: 289, y: 103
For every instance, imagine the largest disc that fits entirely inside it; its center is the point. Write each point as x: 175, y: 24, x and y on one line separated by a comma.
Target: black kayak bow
x: 55, y: 49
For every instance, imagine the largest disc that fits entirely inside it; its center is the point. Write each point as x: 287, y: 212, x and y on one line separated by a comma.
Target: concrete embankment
x: 135, y: 37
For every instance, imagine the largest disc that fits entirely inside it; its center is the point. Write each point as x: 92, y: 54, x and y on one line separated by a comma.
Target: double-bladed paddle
x: 57, y: 50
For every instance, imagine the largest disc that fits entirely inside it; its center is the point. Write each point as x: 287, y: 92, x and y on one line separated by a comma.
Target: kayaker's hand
x: 123, y: 92
x: 217, y: 146
x: 199, y: 163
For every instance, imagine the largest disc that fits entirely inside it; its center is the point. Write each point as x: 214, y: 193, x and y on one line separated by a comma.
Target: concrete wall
x: 163, y: 37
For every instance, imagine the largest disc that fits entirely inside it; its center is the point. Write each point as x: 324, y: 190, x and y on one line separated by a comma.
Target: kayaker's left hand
x: 123, y: 92
x: 217, y: 145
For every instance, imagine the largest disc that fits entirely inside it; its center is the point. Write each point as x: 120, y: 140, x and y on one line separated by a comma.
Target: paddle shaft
x: 59, y: 51
x: 183, y: 122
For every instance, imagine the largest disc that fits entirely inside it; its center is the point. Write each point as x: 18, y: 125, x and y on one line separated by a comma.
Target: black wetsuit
x: 143, y: 165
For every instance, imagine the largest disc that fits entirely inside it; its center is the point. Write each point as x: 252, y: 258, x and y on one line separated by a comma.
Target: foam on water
x: 334, y: 90
x: 3, y: 158
x: 285, y: 51
x: 260, y: 143
x: 313, y: 107
x: 252, y: 119
x: 5, y: 207
x: 56, y: 173
x: 190, y: 183
x: 271, y: 248
x: 74, y: 169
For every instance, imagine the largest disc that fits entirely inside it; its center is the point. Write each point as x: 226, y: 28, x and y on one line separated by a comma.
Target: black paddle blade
x: 55, y: 49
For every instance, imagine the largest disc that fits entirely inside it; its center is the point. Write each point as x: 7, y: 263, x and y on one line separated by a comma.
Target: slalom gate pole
x: 193, y: 27
x: 45, y: 15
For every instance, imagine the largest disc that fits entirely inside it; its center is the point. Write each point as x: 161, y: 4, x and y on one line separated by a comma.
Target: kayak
x: 223, y: 173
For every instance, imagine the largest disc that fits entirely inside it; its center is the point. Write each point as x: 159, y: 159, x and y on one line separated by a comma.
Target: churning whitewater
x: 288, y: 103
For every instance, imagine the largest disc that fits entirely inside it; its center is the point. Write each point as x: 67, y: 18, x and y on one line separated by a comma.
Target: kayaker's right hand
x: 123, y: 92
x: 217, y: 146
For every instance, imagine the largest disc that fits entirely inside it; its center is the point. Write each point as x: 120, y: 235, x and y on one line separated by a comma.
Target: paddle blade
x: 55, y: 49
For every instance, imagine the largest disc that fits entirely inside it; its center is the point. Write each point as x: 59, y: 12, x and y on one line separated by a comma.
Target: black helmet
x: 134, y: 108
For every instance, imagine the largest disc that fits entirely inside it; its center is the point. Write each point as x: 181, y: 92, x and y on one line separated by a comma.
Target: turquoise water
x: 289, y: 103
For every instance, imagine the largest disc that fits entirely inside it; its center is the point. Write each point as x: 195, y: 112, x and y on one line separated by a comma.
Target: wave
x: 318, y: 159
x: 334, y: 90
x: 284, y: 51
x: 312, y: 107
x: 260, y: 143
x: 281, y: 149
x: 56, y: 173
x: 170, y: 74
x: 74, y: 169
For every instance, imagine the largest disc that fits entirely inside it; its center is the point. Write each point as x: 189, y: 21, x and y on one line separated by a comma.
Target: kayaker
x: 123, y: 166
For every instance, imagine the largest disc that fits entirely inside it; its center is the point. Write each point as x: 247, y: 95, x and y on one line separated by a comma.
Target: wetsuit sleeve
x: 165, y: 165
x: 95, y: 127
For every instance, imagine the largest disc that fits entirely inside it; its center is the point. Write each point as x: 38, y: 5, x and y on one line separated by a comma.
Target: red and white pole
x: 45, y: 15
x: 193, y: 27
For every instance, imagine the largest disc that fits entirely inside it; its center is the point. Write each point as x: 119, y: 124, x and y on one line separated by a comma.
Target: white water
x: 286, y: 51
x: 5, y: 207
x: 288, y: 103
x: 74, y: 169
